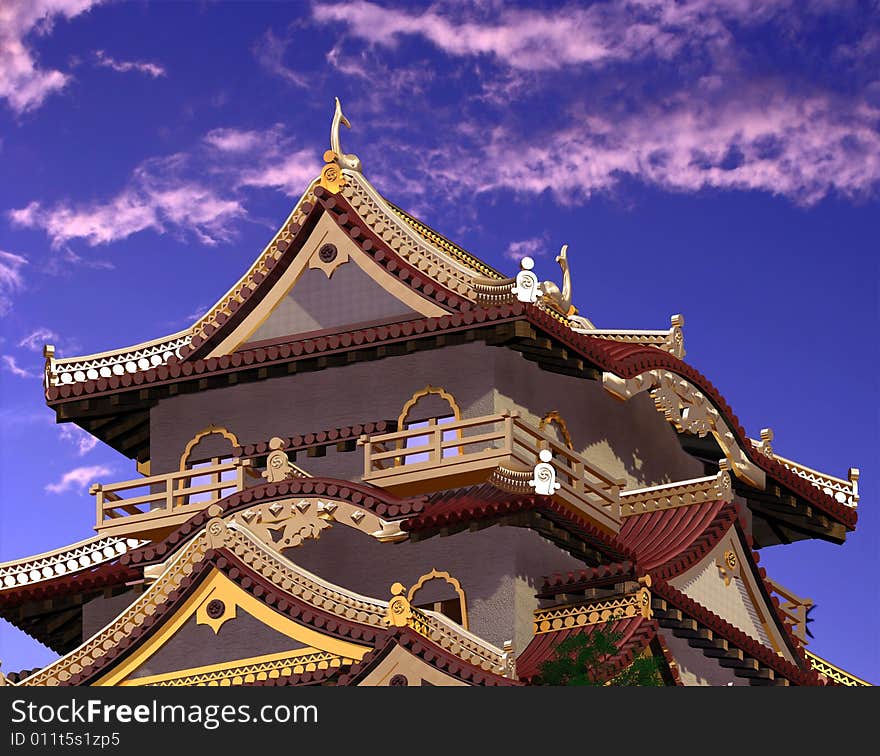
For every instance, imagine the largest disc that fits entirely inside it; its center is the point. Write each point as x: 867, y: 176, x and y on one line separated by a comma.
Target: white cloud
x: 10, y: 365
x: 124, y: 66
x: 83, y: 441
x: 23, y: 84
x: 37, y: 338
x: 290, y: 174
x: 238, y: 140
x: 543, y: 40
x: 171, y: 194
x: 11, y: 279
x: 800, y: 147
x: 79, y: 478
x: 533, y: 247
x: 155, y: 199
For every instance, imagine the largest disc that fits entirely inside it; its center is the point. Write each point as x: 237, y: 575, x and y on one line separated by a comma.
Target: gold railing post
x: 508, y: 432
x: 436, y: 440
x: 364, y: 441
x: 98, y: 492
x: 169, y: 494
x: 240, y: 464
x: 853, y: 476
x: 578, y: 476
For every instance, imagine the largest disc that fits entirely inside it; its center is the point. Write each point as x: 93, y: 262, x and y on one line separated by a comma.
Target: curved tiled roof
x: 91, y: 578
x: 635, y: 634
x: 657, y: 538
x: 349, y: 221
x: 485, y: 502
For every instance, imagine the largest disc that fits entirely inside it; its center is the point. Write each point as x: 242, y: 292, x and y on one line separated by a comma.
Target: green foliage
x: 586, y: 659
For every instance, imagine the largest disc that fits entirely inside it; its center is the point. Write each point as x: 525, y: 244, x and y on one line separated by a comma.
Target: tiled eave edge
x: 68, y: 560
x: 623, y: 360
x: 182, y: 587
x: 617, y: 572
x: 468, y: 509
x: 429, y: 652
x: 630, y: 361
x: 88, y: 579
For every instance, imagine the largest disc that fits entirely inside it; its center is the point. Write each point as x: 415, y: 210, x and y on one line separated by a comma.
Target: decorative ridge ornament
x: 332, y: 177
x: 351, y: 162
x: 559, y: 300
x: 551, y: 295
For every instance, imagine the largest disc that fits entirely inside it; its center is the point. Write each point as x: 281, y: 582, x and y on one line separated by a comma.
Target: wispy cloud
x: 11, y: 278
x: 125, y: 66
x: 197, y: 192
x: 63, y: 260
x: 23, y: 84
x: 802, y: 148
x: 269, y: 50
x: 10, y: 365
x: 84, y: 442
x: 663, y: 91
x: 543, y: 40
x: 239, y: 140
x: 157, y: 198
x: 535, y: 246
x: 79, y: 479
x: 37, y: 338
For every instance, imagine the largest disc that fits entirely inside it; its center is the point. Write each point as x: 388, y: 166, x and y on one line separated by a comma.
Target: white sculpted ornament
x: 526, y: 288
x: 544, y: 477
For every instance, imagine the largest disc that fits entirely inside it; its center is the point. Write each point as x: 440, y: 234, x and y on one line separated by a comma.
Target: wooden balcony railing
x: 152, y: 506
x: 467, y: 451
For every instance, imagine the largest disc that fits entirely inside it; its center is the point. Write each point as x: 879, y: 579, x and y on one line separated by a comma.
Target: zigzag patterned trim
x: 88, y: 553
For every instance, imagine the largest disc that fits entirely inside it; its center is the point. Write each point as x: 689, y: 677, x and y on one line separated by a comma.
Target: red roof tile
x: 659, y: 537
x: 485, y: 501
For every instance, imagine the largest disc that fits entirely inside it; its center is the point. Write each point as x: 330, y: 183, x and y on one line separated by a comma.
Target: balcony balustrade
x: 468, y: 451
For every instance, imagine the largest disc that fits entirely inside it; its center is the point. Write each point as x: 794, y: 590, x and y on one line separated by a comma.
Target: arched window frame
x: 456, y: 586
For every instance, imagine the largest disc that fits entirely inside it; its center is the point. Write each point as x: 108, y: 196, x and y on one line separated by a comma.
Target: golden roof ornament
x: 332, y: 177
x: 560, y: 299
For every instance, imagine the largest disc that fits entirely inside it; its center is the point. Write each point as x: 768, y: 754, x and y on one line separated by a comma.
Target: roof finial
x: 352, y: 162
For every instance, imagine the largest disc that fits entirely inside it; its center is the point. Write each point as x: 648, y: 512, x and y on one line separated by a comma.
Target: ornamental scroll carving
x: 690, y: 411
x: 287, y: 524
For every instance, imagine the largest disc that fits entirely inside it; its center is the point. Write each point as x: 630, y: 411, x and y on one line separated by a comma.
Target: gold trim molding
x: 596, y: 612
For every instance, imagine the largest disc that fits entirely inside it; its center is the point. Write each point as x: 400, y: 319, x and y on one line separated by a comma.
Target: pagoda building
x: 379, y: 461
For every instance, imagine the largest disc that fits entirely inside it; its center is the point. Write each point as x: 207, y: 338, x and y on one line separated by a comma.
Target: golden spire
x: 352, y: 162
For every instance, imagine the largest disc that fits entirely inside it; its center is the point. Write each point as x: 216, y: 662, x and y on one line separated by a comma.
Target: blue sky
x: 718, y: 158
